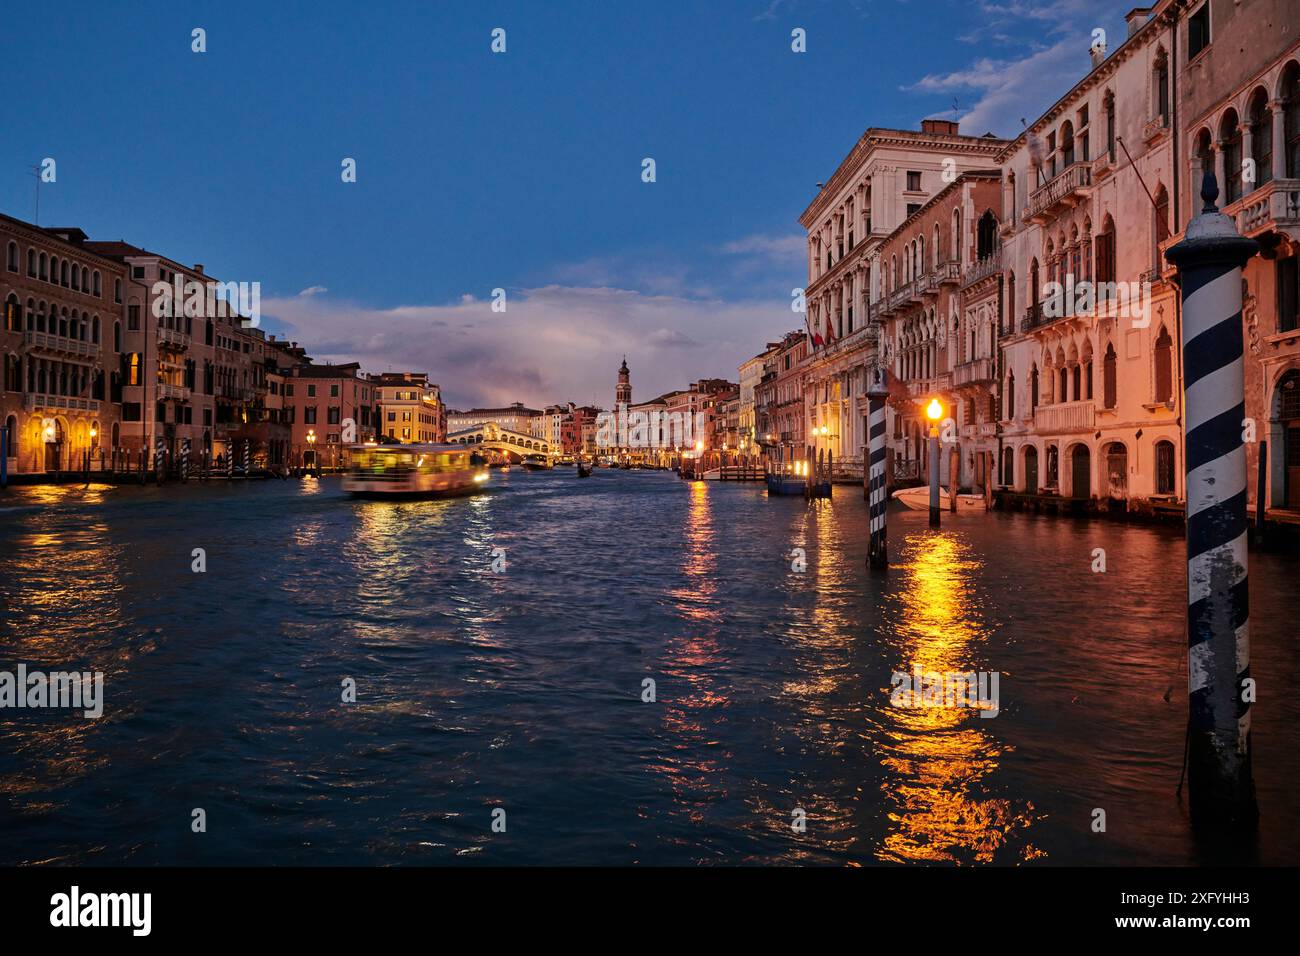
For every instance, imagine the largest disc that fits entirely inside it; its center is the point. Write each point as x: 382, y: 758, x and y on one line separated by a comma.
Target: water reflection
x: 939, y: 759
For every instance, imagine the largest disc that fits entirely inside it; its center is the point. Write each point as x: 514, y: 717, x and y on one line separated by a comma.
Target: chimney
x: 1135, y: 18
x: 1098, y: 51
x: 198, y: 267
x: 939, y: 127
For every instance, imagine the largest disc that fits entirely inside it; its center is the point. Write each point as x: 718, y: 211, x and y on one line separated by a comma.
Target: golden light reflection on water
x: 939, y: 759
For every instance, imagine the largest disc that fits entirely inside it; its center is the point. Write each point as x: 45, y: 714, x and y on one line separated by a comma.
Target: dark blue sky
x: 519, y: 170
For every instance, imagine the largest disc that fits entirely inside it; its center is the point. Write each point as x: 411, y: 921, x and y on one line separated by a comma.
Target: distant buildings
x: 410, y: 408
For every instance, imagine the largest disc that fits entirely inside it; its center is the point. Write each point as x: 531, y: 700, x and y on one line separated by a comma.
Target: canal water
x: 500, y: 646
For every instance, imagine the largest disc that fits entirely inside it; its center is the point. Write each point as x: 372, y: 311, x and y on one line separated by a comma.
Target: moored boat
x: 423, y: 470
x: 918, y: 499
x: 584, y: 470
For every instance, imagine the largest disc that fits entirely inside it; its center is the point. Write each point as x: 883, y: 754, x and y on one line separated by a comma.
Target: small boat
x: 918, y: 499
x: 414, y: 471
x: 536, y: 463
x: 584, y: 470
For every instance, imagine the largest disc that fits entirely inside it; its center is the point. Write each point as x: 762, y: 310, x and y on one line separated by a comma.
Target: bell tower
x: 623, y: 391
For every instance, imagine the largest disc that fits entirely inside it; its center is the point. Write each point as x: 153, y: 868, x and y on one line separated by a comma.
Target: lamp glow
x: 934, y: 410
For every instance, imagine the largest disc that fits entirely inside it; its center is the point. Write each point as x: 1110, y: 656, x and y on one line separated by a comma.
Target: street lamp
x: 934, y: 411
x: 311, y: 443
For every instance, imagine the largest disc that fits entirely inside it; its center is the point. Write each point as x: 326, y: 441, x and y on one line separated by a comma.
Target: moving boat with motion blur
x: 536, y: 463
x: 584, y: 469
x: 415, y: 471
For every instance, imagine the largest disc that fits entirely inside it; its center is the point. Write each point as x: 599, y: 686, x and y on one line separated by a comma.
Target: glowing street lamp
x: 934, y: 412
x: 311, y: 443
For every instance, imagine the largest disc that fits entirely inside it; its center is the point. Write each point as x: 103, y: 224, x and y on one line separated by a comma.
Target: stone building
x: 60, y: 398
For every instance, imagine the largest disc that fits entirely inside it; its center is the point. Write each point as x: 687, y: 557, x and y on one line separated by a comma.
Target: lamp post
x: 311, y: 444
x: 934, y: 411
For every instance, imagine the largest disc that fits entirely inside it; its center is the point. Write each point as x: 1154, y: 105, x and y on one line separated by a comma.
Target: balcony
x: 235, y: 393
x: 982, y: 269
x: 978, y: 371
x: 947, y: 272
x: 1033, y: 318
x: 167, y: 391
x: 62, y: 344
x: 1155, y: 128
x: 36, y: 402
x: 1269, y: 208
x: 1065, y: 417
x: 1064, y: 191
x: 170, y: 338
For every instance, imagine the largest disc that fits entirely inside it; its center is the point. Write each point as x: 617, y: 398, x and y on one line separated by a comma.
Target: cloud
x: 312, y: 290
x: 774, y: 247
x: 553, y: 343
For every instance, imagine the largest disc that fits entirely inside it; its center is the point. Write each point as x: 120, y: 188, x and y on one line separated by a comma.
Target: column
x: 1279, y: 139
x: 1209, y: 262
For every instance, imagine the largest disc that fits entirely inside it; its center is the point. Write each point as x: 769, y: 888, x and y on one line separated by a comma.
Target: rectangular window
x: 130, y: 411
x: 913, y: 181
x: 913, y: 208
x: 334, y: 391
x: 309, y: 415
x: 334, y: 415
x: 133, y: 318
x: 311, y: 391
x: 1198, y: 31
x: 1288, y: 294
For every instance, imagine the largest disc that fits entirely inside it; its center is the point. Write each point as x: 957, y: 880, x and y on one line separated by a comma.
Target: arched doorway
x: 11, y: 448
x: 1008, y: 468
x: 1116, y: 470
x: 53, y: 434
x: 1031, y: 470
x: 1080, y: 472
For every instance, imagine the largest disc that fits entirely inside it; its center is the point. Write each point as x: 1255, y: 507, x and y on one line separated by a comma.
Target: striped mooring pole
x: 185, y: 459
x: 158, y: 460
x: 246, y: 453
x: 1209, y: 262
x: 877, y: 548
x: 230, y: 460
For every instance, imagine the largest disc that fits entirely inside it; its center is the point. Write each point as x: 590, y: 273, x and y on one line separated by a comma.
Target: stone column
x: 1279, y: 139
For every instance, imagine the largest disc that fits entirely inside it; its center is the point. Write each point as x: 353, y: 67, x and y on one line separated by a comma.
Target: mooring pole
x: 185, y: 459
x: 934, y: 475
x: 4, y: 456
x: 1209, y: 262
x: 878, y: 547
x: 954, y: 476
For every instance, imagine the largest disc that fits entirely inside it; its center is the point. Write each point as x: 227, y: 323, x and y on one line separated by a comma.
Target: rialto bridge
x: 508, y: 445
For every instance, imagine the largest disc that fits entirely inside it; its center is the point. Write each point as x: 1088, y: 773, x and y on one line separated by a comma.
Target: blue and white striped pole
x: 185, y: 459
x: 1209, y: 262
x: 158, y: 462
x: 246, y: 455
x: 877, y: 549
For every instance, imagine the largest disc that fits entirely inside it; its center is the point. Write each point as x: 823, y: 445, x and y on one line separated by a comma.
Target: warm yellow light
x: 825, y: 429
x: 699, y: 446
x: 934, y: 410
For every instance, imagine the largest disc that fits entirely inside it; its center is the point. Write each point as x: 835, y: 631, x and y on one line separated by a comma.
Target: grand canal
x: 520, y: 686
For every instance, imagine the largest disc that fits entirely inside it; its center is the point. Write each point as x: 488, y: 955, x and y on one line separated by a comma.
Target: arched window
x: 117, y: 336
x: 1033, y: 388
x: 1160, y: 224
x: 1259, y: 119
x: 1164, y: 467
x: 1164, y: 366
x: 64, y: 278
x: 31, y: 263
x: 94, y: 330
x: 1161, y: 86
x: 1108, y: 107
x: 986, y: 238
x: 1104, y: 256
x: 1291, y: 118
x: 935, y: 243
x: 99, y: 292
x: 1108, y: 381
x: 45, y: 267
x: 1033, y: 285
x: 1230, y: 135
x: 13, y: 257
x: 1067, y: 144
x: 956, y: 236
x: 1009, y: 321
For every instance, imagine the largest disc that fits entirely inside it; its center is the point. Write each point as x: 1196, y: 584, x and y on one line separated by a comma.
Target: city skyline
x: 689, y: 278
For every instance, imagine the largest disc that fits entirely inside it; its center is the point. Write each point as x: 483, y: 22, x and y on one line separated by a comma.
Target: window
x: 1291, y: 119
x: 309, y: 415
x: 1108, y: 105
x: 1033, y: 389
x: 1162, y: 87
x: 334, y: 391
x: 1104, y: 255
x: 1230, y: 135
x: 31, y: 263
x: 117, y: 291
x: 133, y: 318
x: 1164, y: 366
x: 913, y: 181
x: 1261, y: 136
x: 311, y: 391
x: 1011, y: 395
x: 1164, y: 468
x: 13, y: 316
x: 912, y: 209
x: 131, y: 363
x: 1108, y: 378
x: 13, y: 257
x: 1288, y: 294
x: 1160, y: 227
x: 98, y: 288
x: 1198, y: 31
x: 334, y: 415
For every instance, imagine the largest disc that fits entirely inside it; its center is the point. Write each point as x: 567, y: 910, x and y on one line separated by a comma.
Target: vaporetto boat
x: 421, y: 470
x: 918, y: 499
